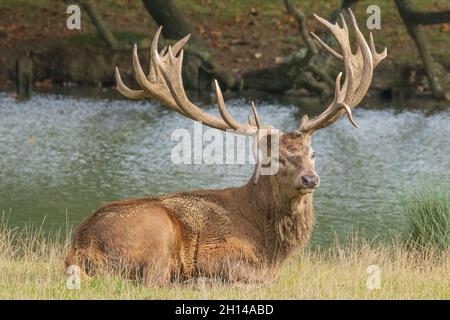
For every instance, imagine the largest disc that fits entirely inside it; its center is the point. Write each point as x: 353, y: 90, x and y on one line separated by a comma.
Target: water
x: 62, y: 157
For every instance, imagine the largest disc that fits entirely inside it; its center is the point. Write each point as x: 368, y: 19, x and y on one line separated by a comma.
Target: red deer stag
x: 236, y: 234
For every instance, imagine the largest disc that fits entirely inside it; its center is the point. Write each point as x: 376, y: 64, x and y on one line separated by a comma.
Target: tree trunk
x: 175, y: 27
x: 101, y: 27
x: 429, y: 17
x: 24, y: 76
x: 166, y: 14
x: 346, y: 4
x: 405, y: 10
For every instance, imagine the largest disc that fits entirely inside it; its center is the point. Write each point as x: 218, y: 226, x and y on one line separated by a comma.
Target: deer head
x: 296, y: 172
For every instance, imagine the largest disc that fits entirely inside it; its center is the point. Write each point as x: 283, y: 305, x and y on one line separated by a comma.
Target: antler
x: 165, y: 84
x: 358, y: 70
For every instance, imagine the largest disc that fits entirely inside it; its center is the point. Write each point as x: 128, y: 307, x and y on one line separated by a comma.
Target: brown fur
x: 239, y: 234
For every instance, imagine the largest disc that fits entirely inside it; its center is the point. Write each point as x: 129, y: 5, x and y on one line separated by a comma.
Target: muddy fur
x: 236, y: 234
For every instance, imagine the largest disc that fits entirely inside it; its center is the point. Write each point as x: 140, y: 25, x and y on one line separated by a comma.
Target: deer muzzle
x: 308, y: 182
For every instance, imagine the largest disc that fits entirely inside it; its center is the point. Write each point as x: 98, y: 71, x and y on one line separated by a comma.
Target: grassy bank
x: 31, y: 267
x: 414, y: 266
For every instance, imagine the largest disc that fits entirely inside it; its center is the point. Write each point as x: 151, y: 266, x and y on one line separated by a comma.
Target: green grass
x: 31, y: 267
x: 429, y: 216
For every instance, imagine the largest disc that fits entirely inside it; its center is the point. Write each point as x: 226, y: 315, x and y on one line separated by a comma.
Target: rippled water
x: 63, y: 156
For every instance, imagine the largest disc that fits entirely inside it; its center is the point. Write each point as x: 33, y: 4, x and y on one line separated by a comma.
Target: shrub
x: 429, y: 217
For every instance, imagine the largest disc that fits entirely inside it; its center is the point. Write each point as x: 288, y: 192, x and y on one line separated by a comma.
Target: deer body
x: 238, y: 234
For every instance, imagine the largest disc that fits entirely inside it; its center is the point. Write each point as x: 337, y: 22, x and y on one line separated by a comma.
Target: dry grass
x: 31, y: 267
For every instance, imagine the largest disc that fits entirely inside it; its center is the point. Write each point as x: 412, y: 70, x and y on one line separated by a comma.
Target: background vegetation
x: 242, y: 36
x: 429, y: 216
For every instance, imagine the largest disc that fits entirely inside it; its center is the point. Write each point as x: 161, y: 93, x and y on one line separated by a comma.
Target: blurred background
x: 247, y: 45
x: 69, y: 142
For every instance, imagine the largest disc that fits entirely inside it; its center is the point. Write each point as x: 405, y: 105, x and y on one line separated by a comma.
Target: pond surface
x: 61, y: 157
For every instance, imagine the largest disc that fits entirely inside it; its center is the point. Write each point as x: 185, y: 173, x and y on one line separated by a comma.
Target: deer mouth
x: 304, y: 190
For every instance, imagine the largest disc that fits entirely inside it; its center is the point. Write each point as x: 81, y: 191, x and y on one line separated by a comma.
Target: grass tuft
x: 429, y: 217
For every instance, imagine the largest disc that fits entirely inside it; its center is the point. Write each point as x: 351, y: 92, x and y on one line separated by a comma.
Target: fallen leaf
x: 46, y: 83
x: 279, y: 60
x: 201, y: 29
x: 216, y: 32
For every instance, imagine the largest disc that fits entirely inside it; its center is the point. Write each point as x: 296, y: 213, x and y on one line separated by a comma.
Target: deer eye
x: 313, y: 155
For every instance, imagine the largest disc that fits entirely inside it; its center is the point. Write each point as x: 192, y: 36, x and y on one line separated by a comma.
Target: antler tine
x: 165, y: 84
x: 158, y: 89
x: 153, y: 72
x: 343, y: 22
x: 256, y: 116
x: 223, y: 108
x: 141, y: 79
x: 154, y: 51
x: 180, y: 44
x: 325, y: 46
x: 358, y: 70
x: 377, y: 57
x: 258, y: 168
x: 174, y: 82
x: 125, y: 91
x: 339, y: 97
x: 171, y: 72
x: 341, y: 34
x: 151, y: 87
x: 365, y: 77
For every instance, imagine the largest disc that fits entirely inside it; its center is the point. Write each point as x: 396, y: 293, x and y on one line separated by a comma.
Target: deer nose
x: 310, y: 181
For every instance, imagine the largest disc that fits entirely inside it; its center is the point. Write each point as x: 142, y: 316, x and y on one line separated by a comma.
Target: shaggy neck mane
x: 287, y: 223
